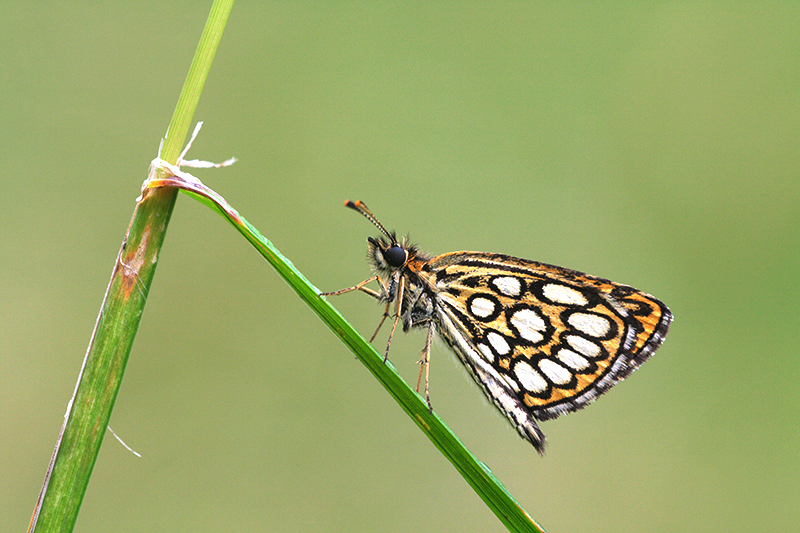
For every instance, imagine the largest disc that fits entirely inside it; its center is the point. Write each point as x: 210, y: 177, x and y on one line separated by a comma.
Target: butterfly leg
x: 425, y: 364
x: 398, y: 309
x: 380, y: 324
x: 383, y: 295
x: 359, y: 287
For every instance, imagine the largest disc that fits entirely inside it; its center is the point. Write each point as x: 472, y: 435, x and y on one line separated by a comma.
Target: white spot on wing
x: 592, y: 325
x: 530, y: 378
x: 482, y: 307
x: 487, y: 352
x: 557, y: 373
x: 571, y: 359
x: 498, y: 343
x: 561, y: 294
x: 508, y: 285
x: 586, y: 347
x: 529, y: 324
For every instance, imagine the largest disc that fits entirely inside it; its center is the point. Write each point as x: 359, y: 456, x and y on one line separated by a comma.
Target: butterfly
x: 539, y: 340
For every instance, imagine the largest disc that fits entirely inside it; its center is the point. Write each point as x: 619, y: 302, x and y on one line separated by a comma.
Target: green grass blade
x: 489, y: 488
x: 100, y: 377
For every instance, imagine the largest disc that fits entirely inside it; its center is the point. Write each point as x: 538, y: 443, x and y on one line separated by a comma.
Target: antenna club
x: 361, y: 207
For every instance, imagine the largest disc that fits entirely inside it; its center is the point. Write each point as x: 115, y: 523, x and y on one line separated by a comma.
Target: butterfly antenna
x: 362, y: 208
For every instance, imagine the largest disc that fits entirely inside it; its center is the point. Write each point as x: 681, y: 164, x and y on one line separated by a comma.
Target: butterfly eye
x: 395, y: 256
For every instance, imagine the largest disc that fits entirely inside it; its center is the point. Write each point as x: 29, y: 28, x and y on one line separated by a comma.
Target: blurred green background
x: 654, y: 144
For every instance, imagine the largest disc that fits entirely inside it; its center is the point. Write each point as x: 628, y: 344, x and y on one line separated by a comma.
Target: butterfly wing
x: 541, y: 340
